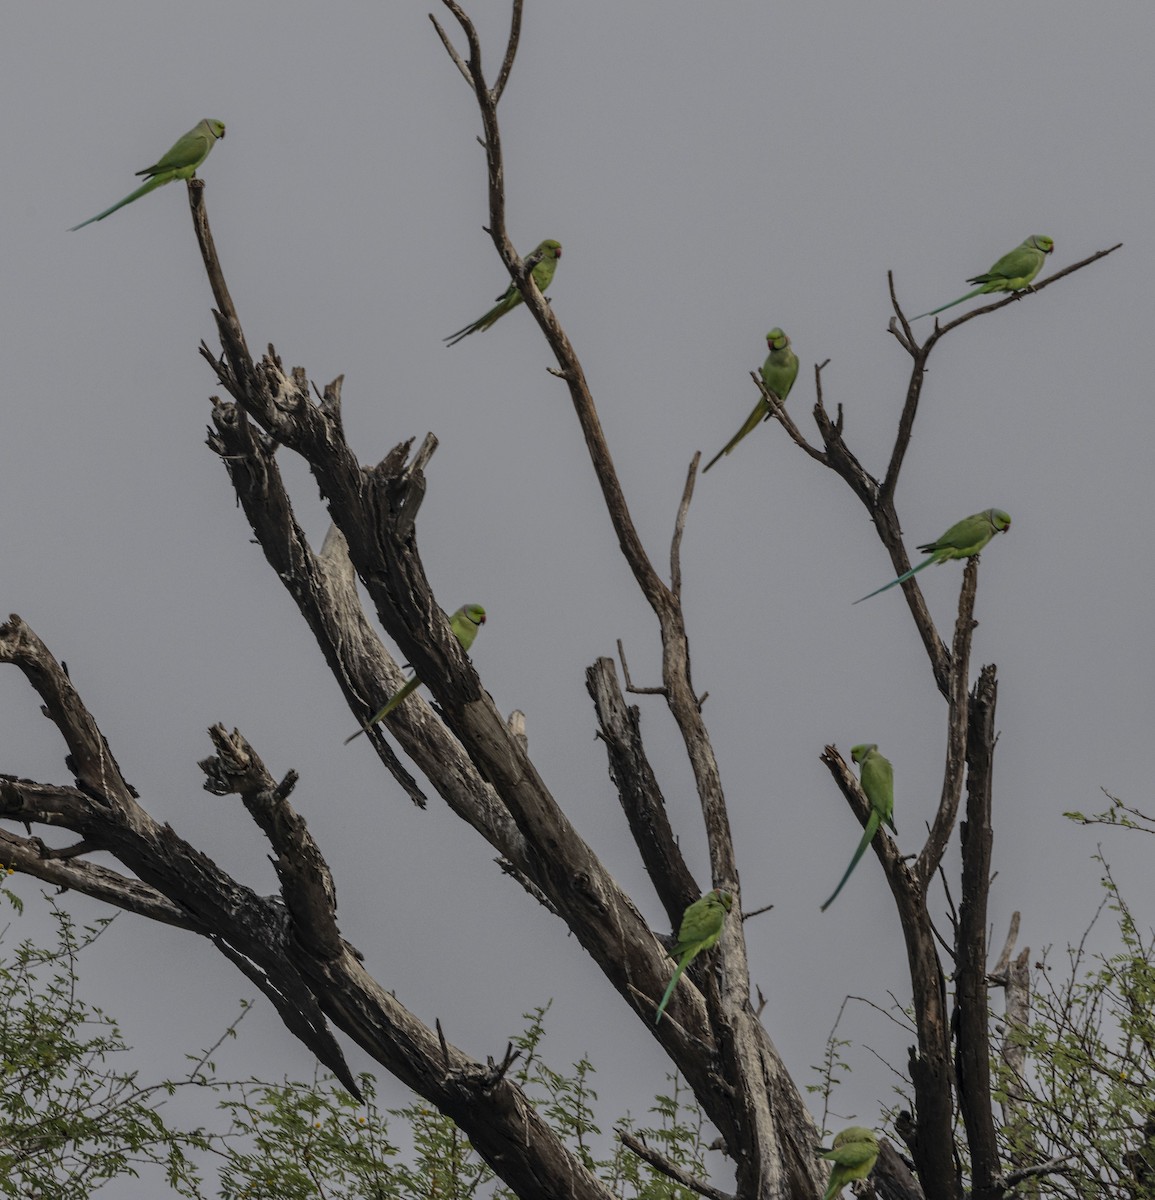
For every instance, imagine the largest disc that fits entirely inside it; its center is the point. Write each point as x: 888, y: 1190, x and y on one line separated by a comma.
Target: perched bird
x: 465, y: 623
x: 854, y: 1153
x: 701, y: 927
x: 962, y: 540
x: 1012, y: 272
x: 778, y: 374
x: 180, y: 162
x: 877, y: 777
x: 542, y: 273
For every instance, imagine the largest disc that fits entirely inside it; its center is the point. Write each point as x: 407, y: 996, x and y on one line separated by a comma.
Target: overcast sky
x: 711, y: 170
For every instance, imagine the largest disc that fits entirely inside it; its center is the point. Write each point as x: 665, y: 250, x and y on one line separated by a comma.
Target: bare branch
x: 906, y: 337
x: 762, y: 1107
x: 679, y: 529
x: 619, y: 726
x: 1053, y: 1166
x: 306, y: 881
x: 29, y: 856
x: 660, y: 1163
x: 972, y: 1027
x: 510, y: 51
x: 632, y: 687
x: 449, y: 48
x: 777, y: 412
x: 998, y: 973
x: 236, y: 350
x: 891, y: 1178
x: 957, y: 719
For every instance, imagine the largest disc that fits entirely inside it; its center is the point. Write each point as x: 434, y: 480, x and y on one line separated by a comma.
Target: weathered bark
x: 972, y: 1010
x: 479, y: 765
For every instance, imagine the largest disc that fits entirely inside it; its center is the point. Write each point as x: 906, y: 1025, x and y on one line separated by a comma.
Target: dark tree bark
x: 479, y: 765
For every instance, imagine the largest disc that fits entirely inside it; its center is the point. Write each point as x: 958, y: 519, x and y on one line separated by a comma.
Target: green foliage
x: 566, y: 1102
x: 1087, y: 1095
x: 1121, y: 815
x: 70, y: 1123
x: 295, y: 1140
x: 443, y: 1164
x: 563, y: 1100
x: 678, y: 1136
x: 69, y: 1120
x: 834, y: 1068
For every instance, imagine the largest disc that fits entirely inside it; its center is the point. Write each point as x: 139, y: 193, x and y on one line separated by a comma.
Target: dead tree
x: 290, y: 946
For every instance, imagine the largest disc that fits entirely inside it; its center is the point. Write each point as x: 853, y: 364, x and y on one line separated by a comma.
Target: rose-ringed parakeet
x: 962, y: 540
x: 877, y: 777
x: 701, y: 927
x: 465, y: 623
x: 542, y: 273
x: 1011, y: 273
x: 180, y: 162
x: 854, y: 1153
x: 778, y: 374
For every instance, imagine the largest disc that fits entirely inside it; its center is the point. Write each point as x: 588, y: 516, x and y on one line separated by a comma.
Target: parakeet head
x: 474, y: 613
x: 859, y: 752
x: 216, y: 128
x: 549, y: 249
x: 1040, y: 241
x: 776, y: 339
x: 999, y: 519
x: 726, y: 899
x: 856, y: 1133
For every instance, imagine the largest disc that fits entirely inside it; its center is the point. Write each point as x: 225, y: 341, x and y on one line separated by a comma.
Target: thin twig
x: 998, y: 973
x: 777, y: 411
x: 660, y: 1163
x: 906, y: 339
x: 680, y: 526
x: 1053, y: 1166
x: 635, y: 691
x: 451, y: 51
x: 510, y: 52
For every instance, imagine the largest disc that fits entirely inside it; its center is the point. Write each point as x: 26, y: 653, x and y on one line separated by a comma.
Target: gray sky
x: 710, y: 173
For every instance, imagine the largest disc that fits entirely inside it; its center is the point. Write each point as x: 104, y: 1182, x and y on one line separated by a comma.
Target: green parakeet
x: 778, y: 374
x: 465, y: 623
x: 877, y: 776
x: 701, y: 927
x: 550, y: 252
x: 1011, y: 273
x: 854, y: 1153
x: 963, y: 540
x: 180, y: 162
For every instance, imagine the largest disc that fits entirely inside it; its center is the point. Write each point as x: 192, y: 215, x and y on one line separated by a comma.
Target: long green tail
x: 752, y: 421
x: 143, y: 190
x: 390, y: 705
x: 674, y: 983
x: 503, y: 305
x: 867, y: 838
x: 901, y: 579
x: 976, y: 292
